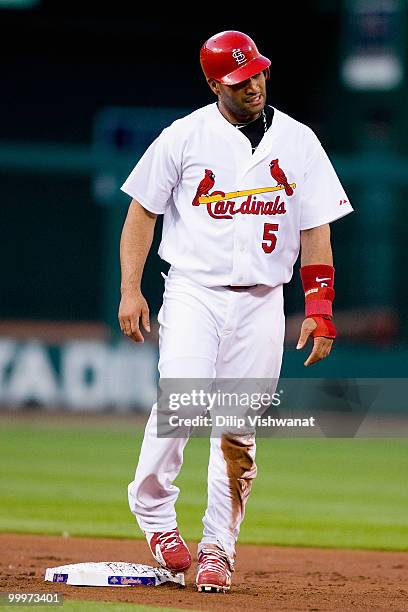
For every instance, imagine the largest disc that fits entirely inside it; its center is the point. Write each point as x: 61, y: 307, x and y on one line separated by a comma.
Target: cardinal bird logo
x: 280, y: 177
x: 204, y: 187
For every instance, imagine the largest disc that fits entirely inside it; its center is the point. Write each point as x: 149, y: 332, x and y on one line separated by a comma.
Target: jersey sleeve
x: 154, y: 177
x: 323, y: 198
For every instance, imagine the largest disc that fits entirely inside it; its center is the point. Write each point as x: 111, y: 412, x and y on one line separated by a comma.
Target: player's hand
x: 321, y: 346
x: 133, y: 308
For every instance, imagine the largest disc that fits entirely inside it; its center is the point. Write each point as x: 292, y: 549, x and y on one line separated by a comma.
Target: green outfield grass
x: 63, y: 477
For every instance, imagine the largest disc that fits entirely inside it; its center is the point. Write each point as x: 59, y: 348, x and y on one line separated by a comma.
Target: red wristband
x: 317, y: 276
x: 318, y: 283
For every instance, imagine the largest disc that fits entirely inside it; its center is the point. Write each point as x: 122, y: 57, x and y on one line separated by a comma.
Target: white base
x: 112, y: 574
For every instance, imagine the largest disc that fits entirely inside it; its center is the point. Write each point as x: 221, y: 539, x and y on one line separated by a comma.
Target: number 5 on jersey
x: 269, y: 237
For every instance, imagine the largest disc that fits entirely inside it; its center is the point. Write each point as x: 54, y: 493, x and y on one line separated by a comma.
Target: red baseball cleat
x: 170, y: 550
x: 214, y: 570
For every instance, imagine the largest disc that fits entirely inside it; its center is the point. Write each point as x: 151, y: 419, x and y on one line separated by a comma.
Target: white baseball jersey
x: 232, y: 217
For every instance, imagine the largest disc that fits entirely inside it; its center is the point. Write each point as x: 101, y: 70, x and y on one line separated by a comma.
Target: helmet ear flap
x: 267, y: 73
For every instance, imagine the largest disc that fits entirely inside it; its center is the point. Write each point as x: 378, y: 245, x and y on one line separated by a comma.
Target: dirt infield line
x: 267, y: 577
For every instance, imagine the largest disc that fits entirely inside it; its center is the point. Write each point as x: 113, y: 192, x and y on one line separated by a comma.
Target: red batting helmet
x: 231, y: 57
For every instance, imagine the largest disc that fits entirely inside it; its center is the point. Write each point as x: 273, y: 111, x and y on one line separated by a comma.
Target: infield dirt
x: 266, y: 577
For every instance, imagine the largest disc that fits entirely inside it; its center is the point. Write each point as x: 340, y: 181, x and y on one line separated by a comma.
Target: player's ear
x: 214, y: 86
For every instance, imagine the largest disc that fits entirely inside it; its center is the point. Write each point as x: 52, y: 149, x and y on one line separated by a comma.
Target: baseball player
x: 243, y: 188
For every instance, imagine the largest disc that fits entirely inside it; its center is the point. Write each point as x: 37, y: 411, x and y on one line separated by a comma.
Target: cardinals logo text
x: 221, y: 205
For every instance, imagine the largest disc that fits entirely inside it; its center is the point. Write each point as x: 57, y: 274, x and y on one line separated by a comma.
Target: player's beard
x: 242, y: 111
x: 255, y: 105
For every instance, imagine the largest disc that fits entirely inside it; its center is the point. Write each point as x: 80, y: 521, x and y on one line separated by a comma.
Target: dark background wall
x: 61, y: 63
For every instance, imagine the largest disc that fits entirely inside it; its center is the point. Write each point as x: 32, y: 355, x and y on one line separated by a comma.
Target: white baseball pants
x: 208, y: 332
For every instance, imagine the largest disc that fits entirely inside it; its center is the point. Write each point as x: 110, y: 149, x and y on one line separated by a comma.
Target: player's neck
x: 233, y: 117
